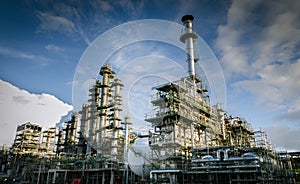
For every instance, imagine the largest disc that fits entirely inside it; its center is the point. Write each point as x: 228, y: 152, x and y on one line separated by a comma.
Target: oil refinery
x: 190, y: 140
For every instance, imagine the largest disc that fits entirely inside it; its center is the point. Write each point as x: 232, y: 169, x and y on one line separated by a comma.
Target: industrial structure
x: 101, y: 118
x: 194, y: 142
x: 191, y: 141
x: 27, y: 139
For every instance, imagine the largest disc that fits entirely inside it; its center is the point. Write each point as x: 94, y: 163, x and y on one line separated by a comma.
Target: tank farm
x: 190, y: 140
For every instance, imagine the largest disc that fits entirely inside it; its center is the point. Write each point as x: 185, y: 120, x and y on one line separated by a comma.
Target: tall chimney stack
x: 188, y: 36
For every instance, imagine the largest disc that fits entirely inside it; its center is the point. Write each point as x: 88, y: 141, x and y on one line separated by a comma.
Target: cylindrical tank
x: 139, y: 157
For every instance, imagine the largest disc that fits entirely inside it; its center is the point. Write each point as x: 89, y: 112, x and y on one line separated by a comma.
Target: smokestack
x: 188, y: 37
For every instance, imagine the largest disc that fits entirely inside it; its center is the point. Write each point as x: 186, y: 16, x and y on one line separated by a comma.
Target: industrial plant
x: 190, y: 140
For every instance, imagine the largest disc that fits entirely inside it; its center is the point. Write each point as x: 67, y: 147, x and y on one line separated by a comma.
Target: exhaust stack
x: 188, y: 36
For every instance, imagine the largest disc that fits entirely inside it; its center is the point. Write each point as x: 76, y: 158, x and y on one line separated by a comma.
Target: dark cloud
x: 293, y: 116
x: 284, y: 137
x: 20, y: 99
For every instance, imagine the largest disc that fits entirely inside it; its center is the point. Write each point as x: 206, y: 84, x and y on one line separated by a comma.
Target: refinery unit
x: 191, y: 140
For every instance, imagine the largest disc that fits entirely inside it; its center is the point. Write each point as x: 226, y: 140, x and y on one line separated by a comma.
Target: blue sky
x: 256, y: 43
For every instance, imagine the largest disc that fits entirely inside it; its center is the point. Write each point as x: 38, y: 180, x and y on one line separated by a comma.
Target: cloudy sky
x: 256, y: 44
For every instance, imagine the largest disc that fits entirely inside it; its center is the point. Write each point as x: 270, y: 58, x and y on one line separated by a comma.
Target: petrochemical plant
x: 191, y: 141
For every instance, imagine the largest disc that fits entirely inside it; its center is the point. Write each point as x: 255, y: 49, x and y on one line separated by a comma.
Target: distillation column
x: 117, y: 108
x: 83, y: 134
x: 94, y: 114
x: 188, y: 36
x: 107, y: 73
x: 89, y: 121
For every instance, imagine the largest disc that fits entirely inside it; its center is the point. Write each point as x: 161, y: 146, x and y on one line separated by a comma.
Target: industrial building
x: 191, y: 140
x: 27, y: 139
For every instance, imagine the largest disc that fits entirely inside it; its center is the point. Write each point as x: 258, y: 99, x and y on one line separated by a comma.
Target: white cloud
x: 276, y: 88
x: 54, y: 48
x: 9, y: 52
x: 292, y: 114
x: 131, y: 8
x: 253, y: 39
x: 74, y: 20
x: 259, y: 45
x: 234, y: 53
x: 105, y: 6
x: 50, y: 22
x: 19, y: 106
